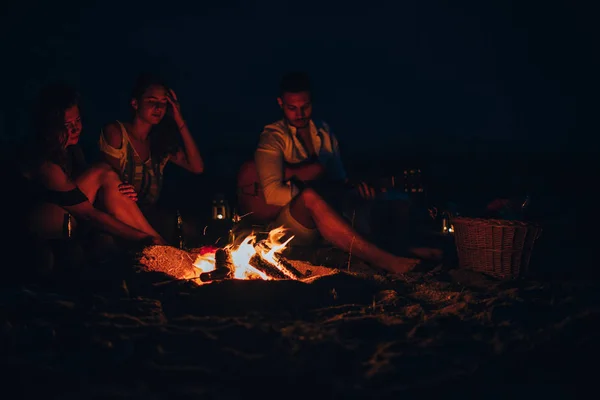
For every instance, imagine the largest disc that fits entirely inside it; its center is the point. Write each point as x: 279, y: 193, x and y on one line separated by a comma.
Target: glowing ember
x: 268, y: 249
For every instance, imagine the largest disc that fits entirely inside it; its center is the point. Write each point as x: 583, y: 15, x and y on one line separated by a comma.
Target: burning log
x: 288, y: 266
x: 266, y: 267
x: 223, y: 259
x: 223, y: 267
x: 275, y: 265
x: 215, y: 275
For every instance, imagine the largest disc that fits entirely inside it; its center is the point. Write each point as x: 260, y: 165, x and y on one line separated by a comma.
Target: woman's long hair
x: 164, y: 138
x: 50, y: 135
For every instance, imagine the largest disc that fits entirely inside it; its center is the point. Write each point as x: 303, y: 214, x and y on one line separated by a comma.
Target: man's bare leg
x: 100, y: 184
x: 310, y: 210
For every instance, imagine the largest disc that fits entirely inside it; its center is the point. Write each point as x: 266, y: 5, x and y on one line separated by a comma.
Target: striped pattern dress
x: 146, y: 176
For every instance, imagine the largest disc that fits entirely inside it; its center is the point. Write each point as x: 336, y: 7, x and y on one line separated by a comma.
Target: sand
x: 346, y: 333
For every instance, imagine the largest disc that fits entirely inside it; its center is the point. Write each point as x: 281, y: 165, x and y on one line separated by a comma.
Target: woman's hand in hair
x: 175, y: 107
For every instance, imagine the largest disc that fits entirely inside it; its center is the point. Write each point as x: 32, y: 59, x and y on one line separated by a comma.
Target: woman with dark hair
x: 140, y: 149
x: 60, y: 186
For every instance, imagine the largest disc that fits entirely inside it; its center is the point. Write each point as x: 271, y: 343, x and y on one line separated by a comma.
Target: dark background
x: 481, y: 95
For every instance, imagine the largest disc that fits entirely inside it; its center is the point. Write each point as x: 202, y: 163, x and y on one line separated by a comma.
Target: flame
x: 241, y: 254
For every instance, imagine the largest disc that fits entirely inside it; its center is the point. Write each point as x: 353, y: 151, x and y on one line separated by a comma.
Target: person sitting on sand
x: 140, y: 149
x: 57, y: 181
x: 297, y: 162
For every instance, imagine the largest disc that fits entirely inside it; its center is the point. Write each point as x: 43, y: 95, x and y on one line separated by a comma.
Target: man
x: 298, y: 166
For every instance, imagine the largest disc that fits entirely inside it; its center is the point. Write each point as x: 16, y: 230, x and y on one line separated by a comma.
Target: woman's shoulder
x: 114, y: 126
x: 113, y: 133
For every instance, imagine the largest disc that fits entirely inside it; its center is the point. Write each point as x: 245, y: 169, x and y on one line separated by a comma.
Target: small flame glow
x: 241, y: 254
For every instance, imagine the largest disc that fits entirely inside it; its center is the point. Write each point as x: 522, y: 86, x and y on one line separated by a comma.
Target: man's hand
x: 364, y: 190
x: 306, y: 172
x: 128, y: 190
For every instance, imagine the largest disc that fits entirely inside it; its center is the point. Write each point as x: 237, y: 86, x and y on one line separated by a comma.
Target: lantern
x: 445, y: 224
x: 447, y: 227
x: 220, y: 208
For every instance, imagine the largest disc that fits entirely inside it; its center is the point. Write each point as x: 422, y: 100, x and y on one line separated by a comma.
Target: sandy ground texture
x: 348, y: 333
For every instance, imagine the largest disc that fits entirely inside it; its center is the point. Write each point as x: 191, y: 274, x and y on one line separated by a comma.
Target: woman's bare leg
x: 100, y: 184
x: 311, y: 210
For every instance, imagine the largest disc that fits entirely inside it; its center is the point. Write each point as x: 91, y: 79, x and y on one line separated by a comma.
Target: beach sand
x: 348, y: 332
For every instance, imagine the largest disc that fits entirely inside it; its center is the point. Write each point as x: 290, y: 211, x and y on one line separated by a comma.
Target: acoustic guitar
x: 251, y: 198
x: 250, y: 195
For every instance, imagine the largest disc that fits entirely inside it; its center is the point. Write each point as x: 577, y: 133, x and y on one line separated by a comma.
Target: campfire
x: 249, y: 258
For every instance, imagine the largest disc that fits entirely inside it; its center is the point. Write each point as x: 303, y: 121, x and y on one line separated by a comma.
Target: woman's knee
x: 100, y: 172
x: 99, y: 175
x: 106, y: 173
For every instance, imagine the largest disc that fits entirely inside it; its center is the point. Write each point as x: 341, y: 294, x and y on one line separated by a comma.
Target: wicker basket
x: 500, y: 248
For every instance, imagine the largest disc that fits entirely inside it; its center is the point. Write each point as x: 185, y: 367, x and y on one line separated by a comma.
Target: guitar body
x: 251, y: 198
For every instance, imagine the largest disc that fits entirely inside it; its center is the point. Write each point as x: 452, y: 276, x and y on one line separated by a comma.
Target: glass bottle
x: 179, y: 231
x: 68, y: 226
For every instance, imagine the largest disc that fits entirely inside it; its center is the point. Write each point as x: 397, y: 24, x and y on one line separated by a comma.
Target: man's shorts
x: 302, y: 235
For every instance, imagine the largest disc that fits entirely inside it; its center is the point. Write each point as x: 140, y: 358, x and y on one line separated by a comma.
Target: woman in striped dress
x: 140, y: 149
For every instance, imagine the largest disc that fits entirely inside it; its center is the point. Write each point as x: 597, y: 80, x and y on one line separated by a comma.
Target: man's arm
x: 309, y: 171
x: 270, y: 167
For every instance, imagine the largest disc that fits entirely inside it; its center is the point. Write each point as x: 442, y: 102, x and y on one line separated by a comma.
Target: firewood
x: 284, y: 266
x: 283, y: 262
x: 216, y: 275
x: 223, y: 259
x: 264, y: 266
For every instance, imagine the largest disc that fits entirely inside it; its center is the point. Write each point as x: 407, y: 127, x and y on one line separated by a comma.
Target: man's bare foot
x: 402, y: 265
x: 427, y: 253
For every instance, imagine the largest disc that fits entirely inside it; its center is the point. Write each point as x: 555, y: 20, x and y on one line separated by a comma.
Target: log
x: 224, y: 267
x: 218, y: 274
x: 287, y: 269
x: 223, y: 259
x: 288, y: 266
x: 264, y: 266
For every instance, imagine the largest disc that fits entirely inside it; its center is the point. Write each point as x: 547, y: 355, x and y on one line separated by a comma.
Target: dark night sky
x: 387, y: 74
